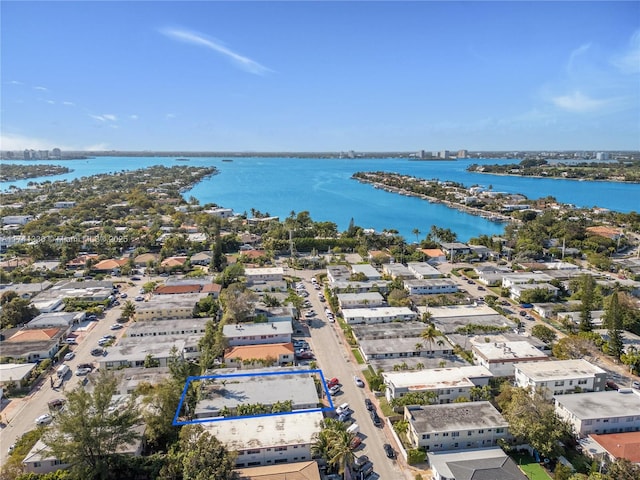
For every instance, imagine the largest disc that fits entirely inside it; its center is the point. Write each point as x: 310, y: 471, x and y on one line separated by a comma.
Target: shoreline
x: 491, y: 216
x: 551, y: 177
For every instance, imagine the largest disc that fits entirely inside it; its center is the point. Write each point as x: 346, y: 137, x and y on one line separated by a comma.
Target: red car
x: 333, y: 382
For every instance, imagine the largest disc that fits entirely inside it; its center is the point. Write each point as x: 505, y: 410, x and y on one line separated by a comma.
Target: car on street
x: 389, y: 451
x: 344, y: 416
x: 310, y: 314
x: 86, y: 365
x: 523, y: 313
x: 358, y: 381
x: 11, y: 448
x: 377, y: 421
x: 69, y: 356
x: 139, y: 298
x: 96, y: 352
x: 481, y: 288
x: 344, y: 407
x: 355, y: 443
x: 636, y: 385
x: 116, y: 326
x: 135, y: 279
x: 333, y: 382
x: 81, y: 372
x: 123, y: 295
x: 369, y: 404
x: 334, y: 390
x: 360, y: 461
x: 71, y: 341
x: 45, y: 419
x: 56, y: 404
x: 103, y: 341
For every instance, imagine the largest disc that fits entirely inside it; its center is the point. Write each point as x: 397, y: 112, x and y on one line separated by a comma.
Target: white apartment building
x: 447, y: 383
x: 261, y: 275
x: 258, y: 333
x: 268, y: 440
x: 612, y: 411
x: 378, y: 315
x: 560, y: 377
x: 500, y: 358
x: 359, y: 300
x: 397, y: 270
x: 430, y: 286
x: 367, y: 270
x: 423, y: 270
x: 168, y: 307
x: 456, y: 426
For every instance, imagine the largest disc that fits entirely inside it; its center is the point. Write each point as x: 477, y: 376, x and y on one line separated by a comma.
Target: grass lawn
x: 358, y: 355
x: 531, y: 469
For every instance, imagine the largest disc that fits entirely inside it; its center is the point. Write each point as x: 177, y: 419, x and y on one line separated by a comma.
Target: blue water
x: 324, y: 188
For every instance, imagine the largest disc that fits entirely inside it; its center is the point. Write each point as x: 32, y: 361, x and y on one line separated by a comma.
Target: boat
x: 227, y: 160
x: 182, y: 159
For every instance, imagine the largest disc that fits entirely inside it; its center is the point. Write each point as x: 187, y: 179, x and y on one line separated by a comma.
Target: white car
x: 69, y: 356
x: 116, y: 326
x: 358, y: 381
x: 81, y: 372
x: 45, y: 419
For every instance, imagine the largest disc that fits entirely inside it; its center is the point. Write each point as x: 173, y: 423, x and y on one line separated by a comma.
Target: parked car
x: 103, y: 341
x: 86, y: 365
x: 481, y: 288
x: 358, y: 381
x: 96, y: 352
x: 71, y: 341
x: 123, y: 295
x: 69, y: 356
x: 139, y: 298
x: 334, y: 390
x: 369, y: 404
x: 45, y: 419
x: 342, y: 408
x: 135, y: 279
x: 360, y: 461
x: 344, y: 417
x: 116, y: 326
x: 56, y: 404
x: 377, y: 421
x: 333, y: 382
x: 80, y: 372
x: 388, y: 449
x: 636, y: 385
x: 355, y: 443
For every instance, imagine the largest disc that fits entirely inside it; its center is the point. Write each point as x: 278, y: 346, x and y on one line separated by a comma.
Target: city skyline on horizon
x: 320, y: 76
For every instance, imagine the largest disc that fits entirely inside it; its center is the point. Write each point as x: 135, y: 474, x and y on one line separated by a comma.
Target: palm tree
x: 430, y: 334
x: 341, y: 454
x: 128, y: 310
x: 416, y: 232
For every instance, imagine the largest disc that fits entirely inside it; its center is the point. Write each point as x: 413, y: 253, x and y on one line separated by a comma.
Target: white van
x: 354, y: 428
x: 62, y: 371
x: 342, y: 408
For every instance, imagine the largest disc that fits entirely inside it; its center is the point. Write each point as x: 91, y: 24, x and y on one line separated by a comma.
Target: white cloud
x: 576, y: 53
x: 12, y: 141
x: 105, y: 117
x: 170, y: 116
x: 194, y: 38
x: 133, y: 117
x: 44, y: 89
x: 629, y: 61
x: 16, y: 82
x: 51, y: 102
x: 71, y: 104
x: 579, y: 103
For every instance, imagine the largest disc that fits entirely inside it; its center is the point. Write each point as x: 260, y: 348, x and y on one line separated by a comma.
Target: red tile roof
x: 250, y: 352
x: 34, y: 335
x: 621, y: 445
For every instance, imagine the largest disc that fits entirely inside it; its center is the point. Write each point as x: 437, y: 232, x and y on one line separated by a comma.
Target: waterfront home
x: 378, y: 315
x: 456, y: 426
x: 268, y: 440
x: 434, y: 255
x: 455, y: 249
x: 448, y: 384
x: 613, y: 411
x: 501, y: 358
x: 560, y: 377
x: 487, y: 463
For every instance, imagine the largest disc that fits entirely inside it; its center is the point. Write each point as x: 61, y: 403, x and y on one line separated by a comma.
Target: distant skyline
x: 320, y: 76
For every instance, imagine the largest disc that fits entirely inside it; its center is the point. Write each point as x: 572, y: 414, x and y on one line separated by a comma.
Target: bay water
x: 325, y: 189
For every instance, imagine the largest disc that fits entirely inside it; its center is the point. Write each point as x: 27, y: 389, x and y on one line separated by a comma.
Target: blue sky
x: 320, y: 76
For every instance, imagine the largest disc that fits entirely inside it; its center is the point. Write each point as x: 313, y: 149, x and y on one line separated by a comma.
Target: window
x: 445, y: 434
x: 280, y: 449
x: 455, y: 434
x: 582, y: 382
x: 481, y: 431
x: 253, y: 452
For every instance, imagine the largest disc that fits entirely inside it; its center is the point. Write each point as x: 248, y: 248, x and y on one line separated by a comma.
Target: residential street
x: 335, y: 360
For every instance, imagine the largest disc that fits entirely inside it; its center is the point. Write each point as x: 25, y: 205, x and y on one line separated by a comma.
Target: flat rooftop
x: 389, y: 330
x: 378, y: 312
x: 154, y: 328
x: 593, y: 405
x: 507, y: 350
x: 404, y: 344
x: 559, y: 369
x: 453, y: 311
x: 230, y: 392
x: 257, y: 329
x: 267, y: 432
x: 456, y: 417
x: 179, y: 300
x: 437, y: 378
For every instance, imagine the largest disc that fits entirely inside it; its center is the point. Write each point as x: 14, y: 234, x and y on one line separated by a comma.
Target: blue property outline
x: 190, y: 379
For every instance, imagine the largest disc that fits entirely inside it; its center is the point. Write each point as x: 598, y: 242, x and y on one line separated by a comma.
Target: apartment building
x: 560, y: 377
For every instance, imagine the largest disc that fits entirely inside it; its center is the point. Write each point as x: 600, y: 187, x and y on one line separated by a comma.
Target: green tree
x: 198, y: 455
x: 128, y: 310
x: 613, y: 319
x: 431, y: 335
x: 16, y: 311
x: 588, y: 286
x: 533, y: 420
x: 238, y: 303
x: 88, y: 433
x: 544, y: 333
